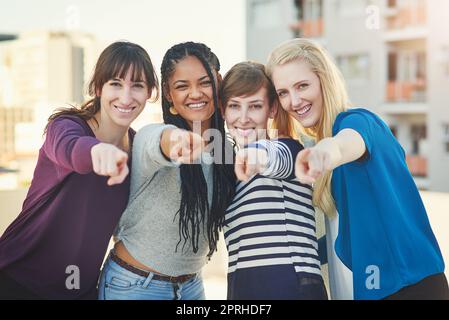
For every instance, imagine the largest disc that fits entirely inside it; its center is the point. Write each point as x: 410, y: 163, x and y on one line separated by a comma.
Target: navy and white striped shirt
x: 271, y: 220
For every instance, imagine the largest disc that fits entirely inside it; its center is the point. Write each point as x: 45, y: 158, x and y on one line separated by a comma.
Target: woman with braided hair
x: 178, y: 195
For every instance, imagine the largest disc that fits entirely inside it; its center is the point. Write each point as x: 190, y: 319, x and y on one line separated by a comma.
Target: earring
x: 173, y: 111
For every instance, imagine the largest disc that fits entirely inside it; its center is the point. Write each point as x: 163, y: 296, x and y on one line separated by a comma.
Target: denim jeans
x: 117, y: 283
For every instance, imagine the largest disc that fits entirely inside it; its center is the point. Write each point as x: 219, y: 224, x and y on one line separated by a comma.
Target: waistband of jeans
x: 143, y: 273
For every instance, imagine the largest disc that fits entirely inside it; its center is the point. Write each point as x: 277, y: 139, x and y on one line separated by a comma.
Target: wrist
x: 331, y: 147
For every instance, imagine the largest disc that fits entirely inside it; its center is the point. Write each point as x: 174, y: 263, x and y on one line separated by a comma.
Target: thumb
x: 303, y: 156
x: 120, y: 177
x: 240, y: 166
x: 121, y: 156
x: 302, y: 166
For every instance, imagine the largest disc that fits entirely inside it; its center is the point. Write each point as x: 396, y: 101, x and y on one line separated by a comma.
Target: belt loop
x: 148, y: 280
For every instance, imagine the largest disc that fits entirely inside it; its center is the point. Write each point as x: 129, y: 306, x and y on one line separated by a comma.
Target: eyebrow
x: 296, y: 83
x: 252, y: 101
x: 118, y: 79
x: 185, y: 81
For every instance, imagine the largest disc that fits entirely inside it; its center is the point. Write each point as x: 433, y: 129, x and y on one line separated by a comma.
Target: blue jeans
x: 117, y: 283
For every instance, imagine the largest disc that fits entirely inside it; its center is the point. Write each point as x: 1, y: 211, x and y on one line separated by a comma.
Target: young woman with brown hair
x: 55, y: 247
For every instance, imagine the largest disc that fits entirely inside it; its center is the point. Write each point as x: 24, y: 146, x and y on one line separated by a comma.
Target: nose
x: 126, y: 96
x: 244, y: 116
x: 196, y: 93
x: 296, y: 99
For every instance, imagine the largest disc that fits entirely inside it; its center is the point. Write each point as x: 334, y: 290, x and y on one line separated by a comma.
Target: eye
x: 233, y: 106
x: 181, y: 87
x: 282, y: 94
x: 303, y: 86
x: 115, y: 84
x: 139, y: 85
x: 206, y: 83
x: 256, y: 106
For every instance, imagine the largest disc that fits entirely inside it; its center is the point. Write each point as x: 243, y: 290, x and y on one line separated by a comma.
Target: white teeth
x: 245, y: 132
x: 304, y: 110
x: 196, y: 105
x: 124, y: 110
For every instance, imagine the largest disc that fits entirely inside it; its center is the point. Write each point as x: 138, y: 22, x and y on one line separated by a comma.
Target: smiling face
x: 190, y: 92
x: 246, y: 117
x: 299, y: 92
x: 122, y: 100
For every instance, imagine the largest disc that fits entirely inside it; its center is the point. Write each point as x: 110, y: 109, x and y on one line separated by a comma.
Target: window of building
x: 446, y: 136
x: 352, y: 8
x: 407, y: 75
x: 309, y: 9
x: 418, y: 132
x: 394, y: 131
x: 309, y: 16
x: 266, y: 14
x: 313, y: 9
x: 392, y: 3
x: 354, y: 67
x: 392, y: 66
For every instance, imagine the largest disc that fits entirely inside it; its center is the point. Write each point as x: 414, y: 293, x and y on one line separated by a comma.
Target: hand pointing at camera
x: 182, y: 146
x: 249, y: 162
x: 108, y: 160
x: 311, y: 163
x: 328, y: 154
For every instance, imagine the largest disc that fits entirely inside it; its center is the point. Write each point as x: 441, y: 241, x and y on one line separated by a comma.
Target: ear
x: 168, y: 97
x: 167, y: 93
x: 219, y: 77
x: 98, y: 93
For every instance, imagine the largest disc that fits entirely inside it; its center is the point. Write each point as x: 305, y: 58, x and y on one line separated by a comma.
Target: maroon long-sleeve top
x: 60, y: 238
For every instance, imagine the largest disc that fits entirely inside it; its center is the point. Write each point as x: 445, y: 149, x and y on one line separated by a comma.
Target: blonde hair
x: 335, y: 100
x: 282, y: 124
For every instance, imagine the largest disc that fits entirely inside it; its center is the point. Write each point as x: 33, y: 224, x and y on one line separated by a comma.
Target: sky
x: 154, y: 24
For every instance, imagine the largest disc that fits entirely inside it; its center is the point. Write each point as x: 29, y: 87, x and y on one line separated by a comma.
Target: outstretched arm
x: 181, y: 146
x: 68, y: 146
x: 346, y: 146
x: 274, y: 159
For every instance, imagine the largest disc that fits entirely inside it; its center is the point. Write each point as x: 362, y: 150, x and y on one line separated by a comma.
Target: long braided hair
x: 194, y: 210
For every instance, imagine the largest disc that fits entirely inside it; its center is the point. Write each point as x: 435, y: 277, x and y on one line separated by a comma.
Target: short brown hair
x: 246, y: 78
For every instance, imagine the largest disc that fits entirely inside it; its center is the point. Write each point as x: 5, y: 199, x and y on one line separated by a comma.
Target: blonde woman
x: 358, y: 170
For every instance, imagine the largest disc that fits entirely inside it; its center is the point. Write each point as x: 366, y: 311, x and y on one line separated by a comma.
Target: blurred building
x: 48, y: 67
x: 39, y: 72
x: 9, y: 117
x: 394, y: 55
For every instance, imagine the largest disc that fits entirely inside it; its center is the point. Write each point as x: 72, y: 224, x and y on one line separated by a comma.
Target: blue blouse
x: 385, y: 237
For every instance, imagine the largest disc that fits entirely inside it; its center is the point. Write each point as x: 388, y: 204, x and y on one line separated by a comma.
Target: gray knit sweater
x: 149, y: 226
